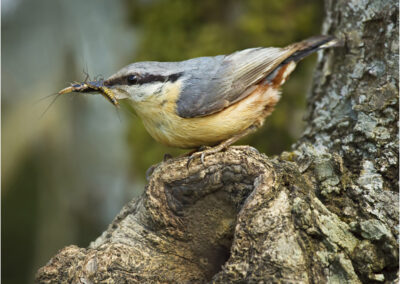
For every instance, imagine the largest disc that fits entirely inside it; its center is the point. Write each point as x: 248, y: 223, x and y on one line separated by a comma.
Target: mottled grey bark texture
x: 327, y: 212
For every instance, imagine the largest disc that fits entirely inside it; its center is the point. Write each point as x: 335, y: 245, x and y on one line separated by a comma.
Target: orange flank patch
x: 283, y: 74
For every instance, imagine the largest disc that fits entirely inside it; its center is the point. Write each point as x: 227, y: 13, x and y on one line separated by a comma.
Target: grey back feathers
x: 221, y: 81
x: 224, y: 80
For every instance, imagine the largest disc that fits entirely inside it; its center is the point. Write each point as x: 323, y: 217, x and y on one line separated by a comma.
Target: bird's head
x: 141, y: 80
x: 136, y: 82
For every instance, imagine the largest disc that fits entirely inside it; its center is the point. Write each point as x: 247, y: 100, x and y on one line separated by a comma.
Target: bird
x: 205, y: 103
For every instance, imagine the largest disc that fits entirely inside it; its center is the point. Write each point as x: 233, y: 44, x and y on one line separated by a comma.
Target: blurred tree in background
x: 178, y: 30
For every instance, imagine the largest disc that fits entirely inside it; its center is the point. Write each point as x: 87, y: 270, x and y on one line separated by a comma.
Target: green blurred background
x: 67, y: 173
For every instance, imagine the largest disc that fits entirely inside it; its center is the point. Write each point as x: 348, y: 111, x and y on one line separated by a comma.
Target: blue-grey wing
x: 217, y: 82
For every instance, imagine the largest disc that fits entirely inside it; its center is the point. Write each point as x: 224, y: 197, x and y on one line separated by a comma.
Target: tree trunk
x: 325, y: 212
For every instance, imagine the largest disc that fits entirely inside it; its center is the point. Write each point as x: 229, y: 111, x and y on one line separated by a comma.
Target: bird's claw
x: 191, y: 158
x: 204, y: 151
x: 194, y: 156
x: 203, y: 155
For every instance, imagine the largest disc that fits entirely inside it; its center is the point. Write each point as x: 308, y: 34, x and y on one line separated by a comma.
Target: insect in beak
x: 89, y: 87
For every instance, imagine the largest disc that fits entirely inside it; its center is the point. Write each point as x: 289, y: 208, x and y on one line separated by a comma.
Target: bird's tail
x: 310, y: 45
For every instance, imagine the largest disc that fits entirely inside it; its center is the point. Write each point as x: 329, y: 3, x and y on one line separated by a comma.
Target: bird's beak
x: 92, y: 87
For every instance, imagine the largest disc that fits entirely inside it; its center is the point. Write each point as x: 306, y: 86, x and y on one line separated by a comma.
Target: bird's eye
x: 132, y: 79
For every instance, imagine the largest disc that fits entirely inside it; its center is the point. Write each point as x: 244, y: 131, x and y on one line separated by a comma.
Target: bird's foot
x: 223, y: 145
x: 204, y: 151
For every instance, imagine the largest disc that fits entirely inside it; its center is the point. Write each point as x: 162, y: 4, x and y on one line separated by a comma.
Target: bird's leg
x: 202, y: 148
x: 190, y: 153
x: 223, y: 145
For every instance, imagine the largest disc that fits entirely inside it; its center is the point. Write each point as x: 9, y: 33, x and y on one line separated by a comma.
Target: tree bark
x: 325, y: 212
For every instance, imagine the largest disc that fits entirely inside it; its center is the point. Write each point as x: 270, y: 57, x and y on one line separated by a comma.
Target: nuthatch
x: 205, y: 101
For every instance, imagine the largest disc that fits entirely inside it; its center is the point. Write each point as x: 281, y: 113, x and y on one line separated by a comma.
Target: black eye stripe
x: 174, y: 77
x: 139, y: 79
x: 151, y: 78
x: 132, y: 79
